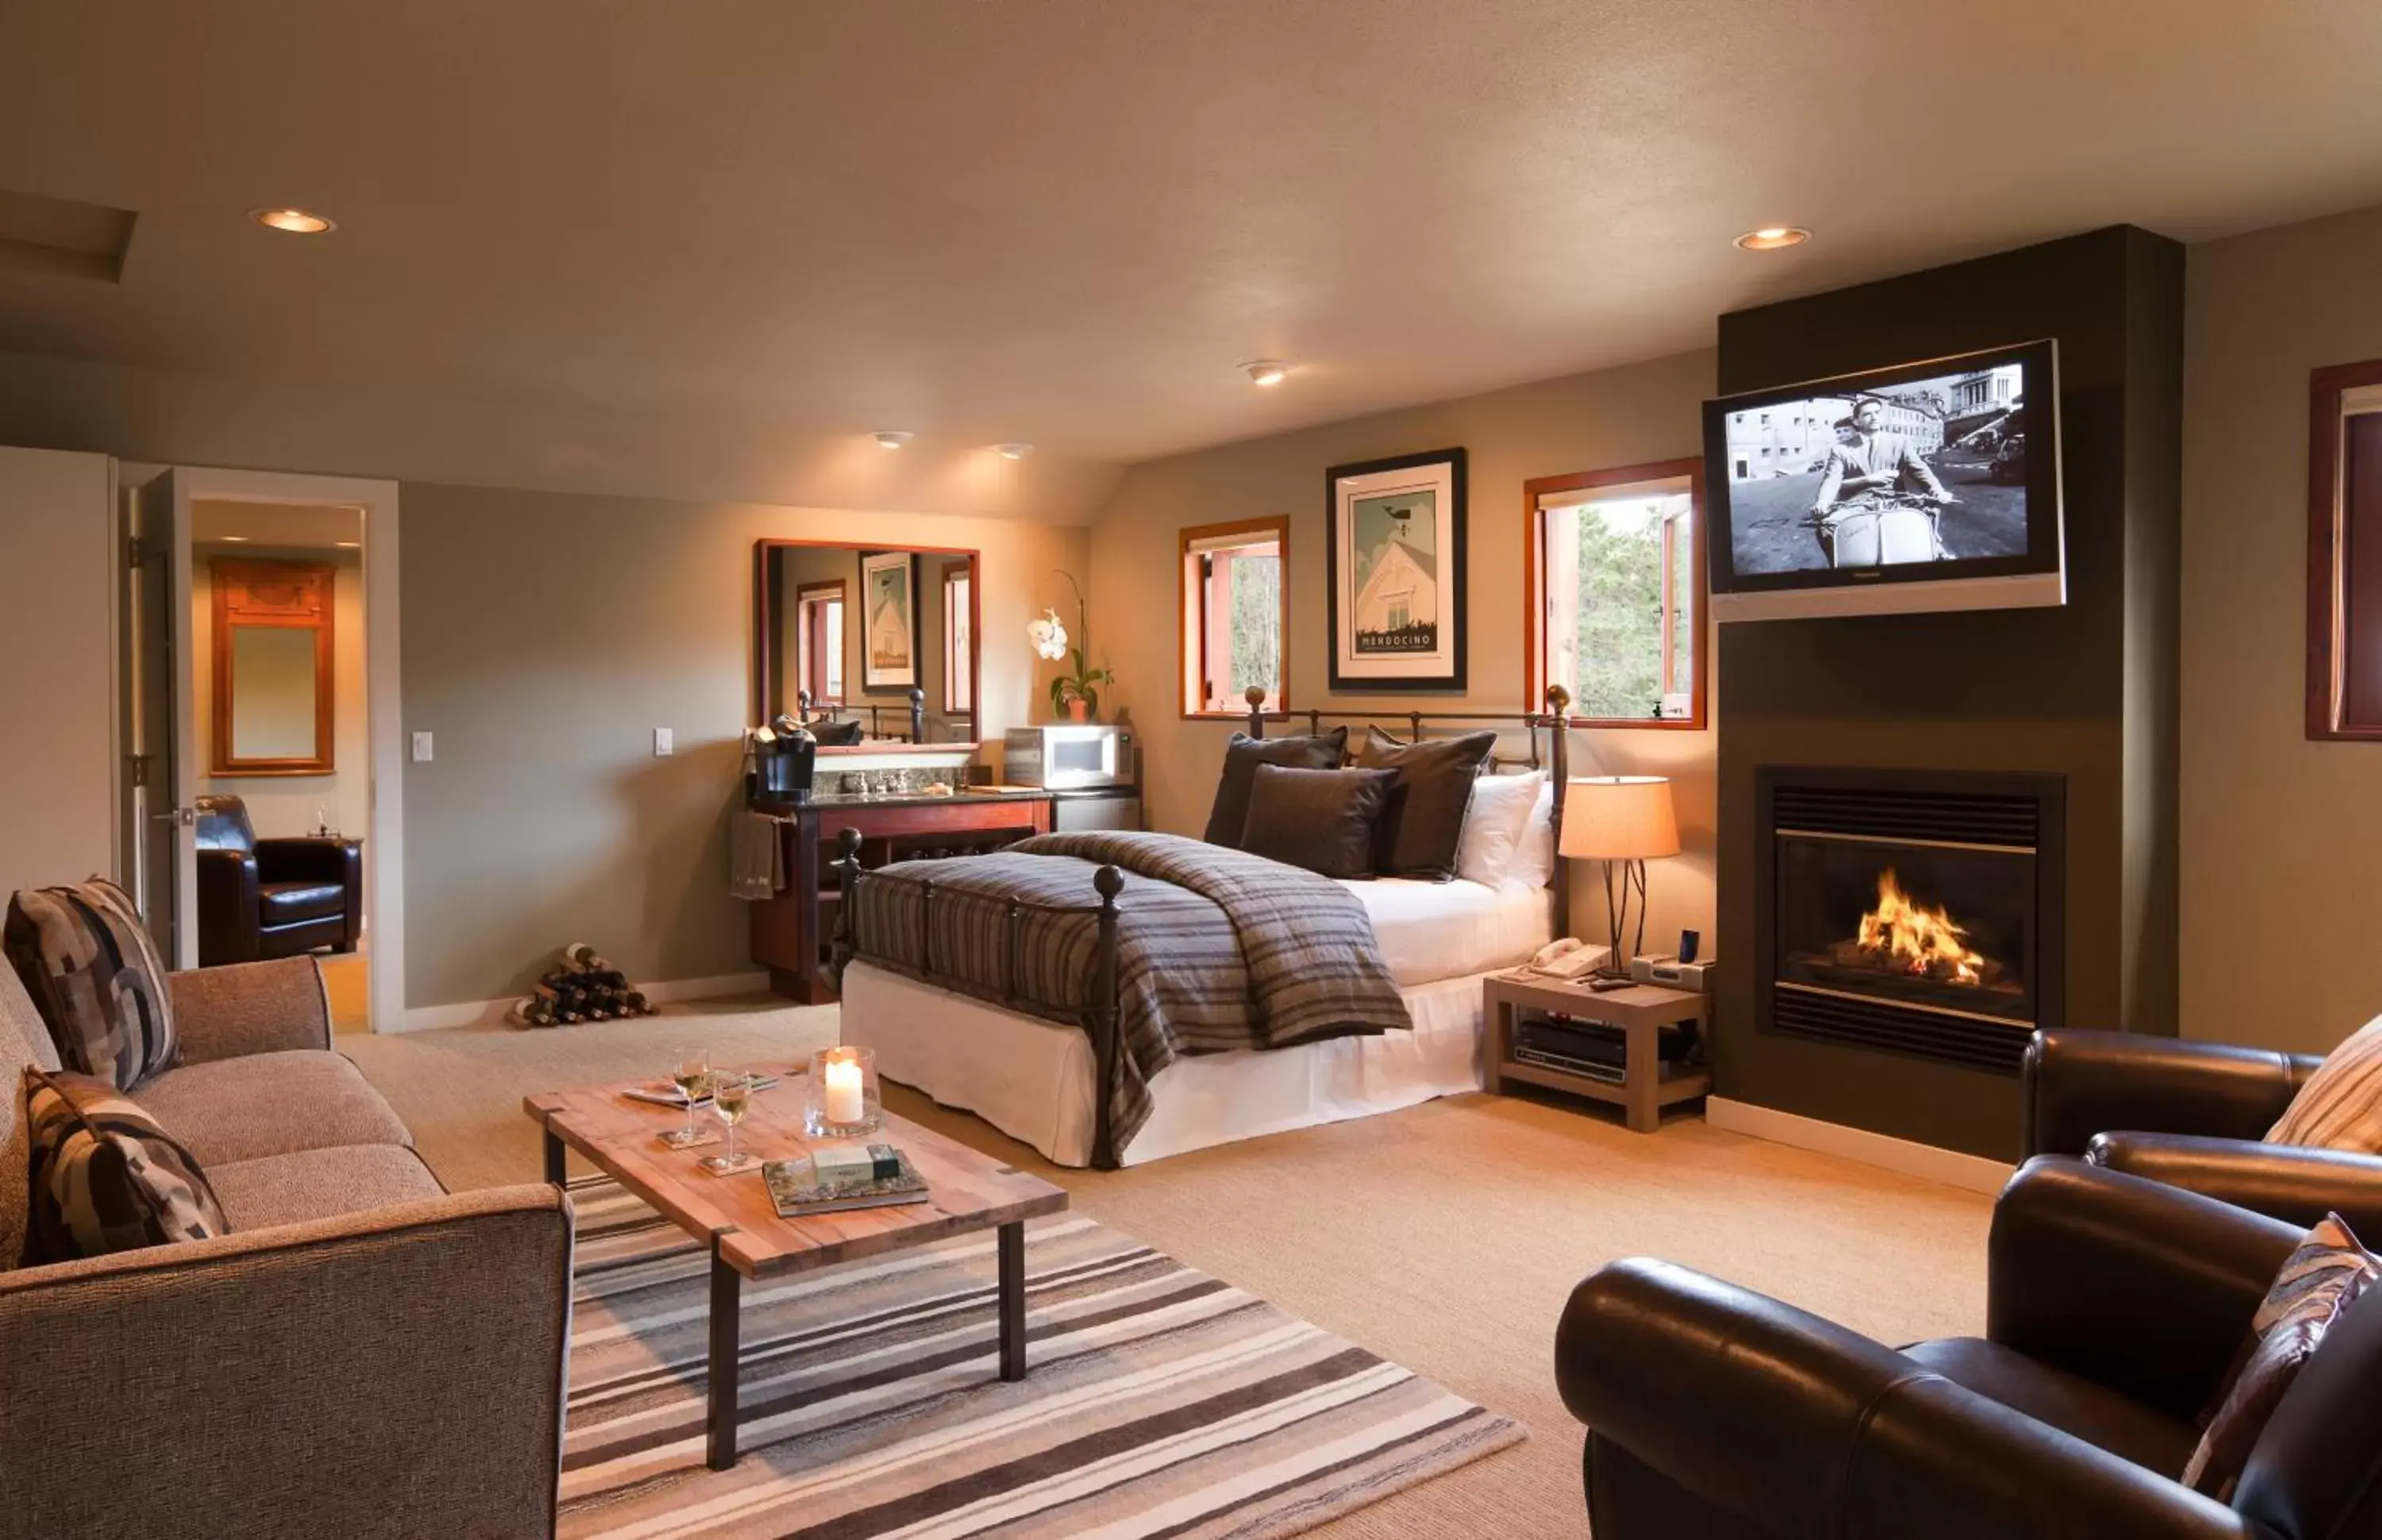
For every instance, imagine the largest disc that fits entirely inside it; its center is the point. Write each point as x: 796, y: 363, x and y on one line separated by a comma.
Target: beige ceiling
x: 773, y: 226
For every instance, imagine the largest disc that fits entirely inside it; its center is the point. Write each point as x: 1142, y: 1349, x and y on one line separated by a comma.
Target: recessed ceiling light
x: 1771, y: 238
x: 893, y: 438
x: 1266, y: 372
x: 296, y: 222
x: 1013, y: 451
x: 348, y: 545
x: 235, y: 540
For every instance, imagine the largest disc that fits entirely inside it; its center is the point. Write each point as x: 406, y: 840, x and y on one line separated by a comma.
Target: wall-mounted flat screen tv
x: 1926, y: 486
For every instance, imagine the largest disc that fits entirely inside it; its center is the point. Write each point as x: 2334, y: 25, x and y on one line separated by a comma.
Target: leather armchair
x: 264, y: 899
x: 2115, y: 1306
x: 2193, y: 1114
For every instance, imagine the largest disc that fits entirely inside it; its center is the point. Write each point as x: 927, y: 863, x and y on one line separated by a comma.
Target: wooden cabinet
x: 792, y: 931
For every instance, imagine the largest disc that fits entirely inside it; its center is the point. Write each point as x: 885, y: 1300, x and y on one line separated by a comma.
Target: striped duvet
x: 1217, y: 949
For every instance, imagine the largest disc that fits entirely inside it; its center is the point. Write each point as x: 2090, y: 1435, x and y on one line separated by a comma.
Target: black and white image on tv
x: 1931, y: 470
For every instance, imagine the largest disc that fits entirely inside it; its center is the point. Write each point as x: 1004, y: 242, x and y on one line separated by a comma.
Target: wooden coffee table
x: 966, y: 1191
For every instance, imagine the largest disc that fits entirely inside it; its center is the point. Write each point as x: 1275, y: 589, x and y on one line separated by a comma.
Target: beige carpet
x: 1443, y: 1237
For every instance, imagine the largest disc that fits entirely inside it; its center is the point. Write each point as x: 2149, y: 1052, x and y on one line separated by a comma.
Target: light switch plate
x: 662, y: 749
x: 421, y: 748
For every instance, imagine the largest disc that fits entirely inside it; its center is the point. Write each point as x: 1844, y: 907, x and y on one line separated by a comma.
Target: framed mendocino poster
x: 1395, y: 556
x: 888, y: 616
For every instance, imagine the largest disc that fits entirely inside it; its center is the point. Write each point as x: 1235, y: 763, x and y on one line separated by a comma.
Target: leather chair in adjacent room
x: 2113, y: 1307
x: 263, y: 899
x: 2193, y: 1114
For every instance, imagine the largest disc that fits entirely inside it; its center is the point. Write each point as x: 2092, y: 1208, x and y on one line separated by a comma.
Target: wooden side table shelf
x: 1639, y: 1012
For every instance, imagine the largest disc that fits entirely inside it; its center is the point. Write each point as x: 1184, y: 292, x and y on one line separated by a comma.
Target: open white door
x: 160, y: 743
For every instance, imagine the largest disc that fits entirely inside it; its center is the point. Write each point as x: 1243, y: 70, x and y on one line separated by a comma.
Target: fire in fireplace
x: 1912, y: 910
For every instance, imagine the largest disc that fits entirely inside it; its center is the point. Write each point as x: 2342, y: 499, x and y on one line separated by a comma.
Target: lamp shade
x: 1619, y: 818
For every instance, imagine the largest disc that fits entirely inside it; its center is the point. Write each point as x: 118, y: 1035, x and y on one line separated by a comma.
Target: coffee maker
x: 783, y: 762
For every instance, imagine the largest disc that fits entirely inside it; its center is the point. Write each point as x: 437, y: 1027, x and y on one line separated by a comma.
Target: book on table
x: 840, y: 1179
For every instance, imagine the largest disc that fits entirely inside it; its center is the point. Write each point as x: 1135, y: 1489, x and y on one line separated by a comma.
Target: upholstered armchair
x: 264, y: 899
x: 2113, y: 1307
x: 2193, y: 1115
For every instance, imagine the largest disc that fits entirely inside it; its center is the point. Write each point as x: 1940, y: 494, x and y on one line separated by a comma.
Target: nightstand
x: 1638, y: 1013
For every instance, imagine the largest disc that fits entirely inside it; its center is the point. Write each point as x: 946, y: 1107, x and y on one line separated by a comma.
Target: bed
x: 1020, y: 987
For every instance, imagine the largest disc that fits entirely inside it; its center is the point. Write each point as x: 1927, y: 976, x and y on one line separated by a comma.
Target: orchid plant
x: 1051, y: 642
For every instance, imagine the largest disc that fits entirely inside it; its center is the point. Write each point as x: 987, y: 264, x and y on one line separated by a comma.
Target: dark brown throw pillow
x: 1244, y: 754
x: 2318, y: 1283
x: 1424, y: 822
x: 1322, y: 820
x: 105, y: 1177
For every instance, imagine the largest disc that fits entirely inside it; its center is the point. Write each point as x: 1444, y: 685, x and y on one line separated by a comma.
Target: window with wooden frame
x: 959, y: 639
x: 2344, y: 640
x: 1615, y: 611
x: 1236, y: 616
x: 818, y: 615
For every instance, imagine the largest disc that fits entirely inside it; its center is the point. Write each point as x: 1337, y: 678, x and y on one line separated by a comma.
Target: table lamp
x: 1623, y: 821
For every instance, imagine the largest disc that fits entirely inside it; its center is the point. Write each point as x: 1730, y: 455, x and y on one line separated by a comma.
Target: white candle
x: 843, y: 1103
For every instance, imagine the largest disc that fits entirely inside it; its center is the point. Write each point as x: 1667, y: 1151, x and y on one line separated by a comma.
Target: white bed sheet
x: 1033, y: 1079
x: 1450, y: 930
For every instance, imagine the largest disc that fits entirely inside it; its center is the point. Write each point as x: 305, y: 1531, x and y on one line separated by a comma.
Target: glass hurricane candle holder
x: 842, y: 1099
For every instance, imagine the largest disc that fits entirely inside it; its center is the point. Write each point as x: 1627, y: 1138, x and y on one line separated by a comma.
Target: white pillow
x: 1492, y: 825
x: 1534, y: 853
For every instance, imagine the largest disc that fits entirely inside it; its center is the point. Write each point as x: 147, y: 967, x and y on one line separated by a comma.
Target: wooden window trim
x: 1534, y: 605
x: 954, y: 574
x: 1276, y: 529
x: 805, y: 594
x: 2327, y: 626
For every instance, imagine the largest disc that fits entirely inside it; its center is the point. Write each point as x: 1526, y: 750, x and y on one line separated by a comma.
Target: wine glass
x: 731, y: 1097
x: 692, y: 1077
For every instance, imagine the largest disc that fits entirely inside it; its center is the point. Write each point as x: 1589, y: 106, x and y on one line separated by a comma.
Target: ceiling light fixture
x: 348, y: 544
x: 235, y: 540
x: 296, y: 222
x: 893, y: 438
x: 1013, y: 451
x: 1773, y: 238
x: 1266, y: 372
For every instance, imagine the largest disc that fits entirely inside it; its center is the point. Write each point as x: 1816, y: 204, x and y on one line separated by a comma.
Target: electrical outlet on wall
x: 662, y: 748
x: 421, y: 748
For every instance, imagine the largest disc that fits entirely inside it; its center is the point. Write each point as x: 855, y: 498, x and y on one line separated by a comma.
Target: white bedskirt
x: 1033, y: 1079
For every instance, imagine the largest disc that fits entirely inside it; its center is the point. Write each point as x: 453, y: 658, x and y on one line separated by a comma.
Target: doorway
x: 264, y: 800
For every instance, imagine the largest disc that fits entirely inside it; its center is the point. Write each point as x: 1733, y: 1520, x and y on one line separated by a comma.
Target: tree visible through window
x: 1232, y: 616
x: 1620, y: 595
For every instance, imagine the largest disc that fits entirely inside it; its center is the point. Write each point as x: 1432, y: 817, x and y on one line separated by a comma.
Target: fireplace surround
x: 1918, y: 913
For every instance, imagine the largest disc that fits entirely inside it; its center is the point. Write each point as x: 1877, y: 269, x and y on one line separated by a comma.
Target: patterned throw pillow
x: 2320, y: 1280
x: 89, y: 964
x: 2340, y: 1106
x: 106, y: 1178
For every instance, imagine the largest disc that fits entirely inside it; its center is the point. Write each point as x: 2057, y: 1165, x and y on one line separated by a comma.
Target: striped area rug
x: 1158, y: 1401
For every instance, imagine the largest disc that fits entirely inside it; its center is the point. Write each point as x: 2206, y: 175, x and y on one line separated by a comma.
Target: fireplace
x: 1911, y: 911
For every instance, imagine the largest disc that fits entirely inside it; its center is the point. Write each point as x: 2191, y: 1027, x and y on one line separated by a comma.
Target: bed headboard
x: 1417, y: 725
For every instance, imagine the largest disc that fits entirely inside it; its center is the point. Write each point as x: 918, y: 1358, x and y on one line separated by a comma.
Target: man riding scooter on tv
x: 1878, y: 500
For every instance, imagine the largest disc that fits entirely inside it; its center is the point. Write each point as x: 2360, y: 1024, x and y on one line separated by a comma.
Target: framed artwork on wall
x: 889, y: 629
x: 1395, y: 561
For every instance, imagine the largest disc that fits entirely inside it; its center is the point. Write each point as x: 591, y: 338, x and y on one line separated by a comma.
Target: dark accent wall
x: 2088, y: 691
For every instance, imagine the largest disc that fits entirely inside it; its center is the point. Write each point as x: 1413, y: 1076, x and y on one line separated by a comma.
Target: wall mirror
x: 272, y: 680
x: 867, y: 645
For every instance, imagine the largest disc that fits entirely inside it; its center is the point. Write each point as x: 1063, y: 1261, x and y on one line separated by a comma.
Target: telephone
x: 1569, y: 958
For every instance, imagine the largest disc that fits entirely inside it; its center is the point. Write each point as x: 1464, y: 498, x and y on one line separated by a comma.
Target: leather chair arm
x: 312, y: 860
x: 2292, y: 1182
x: 1799, y: 1428
x: 2078, y: 1083
x: 227, y: 909
x: 2141, y: 1287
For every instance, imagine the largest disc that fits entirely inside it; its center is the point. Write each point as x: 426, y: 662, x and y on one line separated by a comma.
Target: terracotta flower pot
x: 1079, y: 709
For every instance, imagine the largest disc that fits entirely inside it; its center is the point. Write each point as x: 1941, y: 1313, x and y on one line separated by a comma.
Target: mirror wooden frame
x: 291, y: 595
x: 770, y: 596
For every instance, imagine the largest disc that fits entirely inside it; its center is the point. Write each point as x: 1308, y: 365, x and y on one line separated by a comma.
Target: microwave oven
x: 1070, y: 757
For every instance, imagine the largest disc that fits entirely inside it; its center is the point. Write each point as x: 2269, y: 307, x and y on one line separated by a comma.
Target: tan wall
x: 1584, y: 422
x: 57, y: 698
x: 2281, y: 837
x: 283, y: 805
x: 545, y: 636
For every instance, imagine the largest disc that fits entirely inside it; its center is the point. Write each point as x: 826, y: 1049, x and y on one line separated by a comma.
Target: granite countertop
x: 973, y: 794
